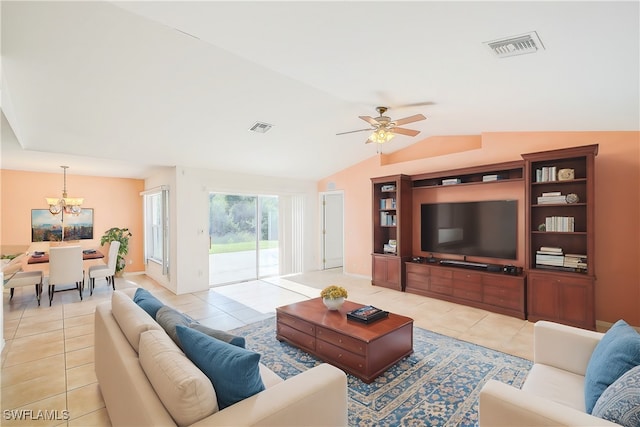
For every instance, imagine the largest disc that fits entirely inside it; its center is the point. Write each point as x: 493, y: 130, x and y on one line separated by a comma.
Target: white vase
x: 333, y: 303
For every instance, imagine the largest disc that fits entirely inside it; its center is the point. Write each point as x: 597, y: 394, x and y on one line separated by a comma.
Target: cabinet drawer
x: 513, y: 283
x: 503, y: 296
x: 441, y: 272
x: 298, y: 324
x: 417, y: 280
x: 441, y: 286
x: 467, y: 276
x: 295, y: 336
x: 340, y: 356
x: 342, y: 341
x: 468, y: 290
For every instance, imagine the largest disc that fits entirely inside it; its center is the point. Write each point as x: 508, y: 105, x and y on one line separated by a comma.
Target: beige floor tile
x: 81, y: 376
x: 78, y: 342
x: 84, y: 400
x: 79, y: 357
x: 98, y: 418
x: 48, y: 366
x: 51, y: 411
x: 34, y: 347
x: 33, y: 390
x: 74, y: 331
x: 32, y: 328
x: 80, y: 320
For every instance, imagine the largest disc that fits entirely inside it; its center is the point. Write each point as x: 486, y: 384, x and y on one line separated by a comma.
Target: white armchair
x: 553, y: 393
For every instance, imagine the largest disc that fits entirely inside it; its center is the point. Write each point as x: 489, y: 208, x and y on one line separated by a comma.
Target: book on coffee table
x: 367, y: 314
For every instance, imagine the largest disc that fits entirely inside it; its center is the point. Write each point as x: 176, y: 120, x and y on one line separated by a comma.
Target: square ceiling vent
x: 260, y: 127
x: 516, y: 45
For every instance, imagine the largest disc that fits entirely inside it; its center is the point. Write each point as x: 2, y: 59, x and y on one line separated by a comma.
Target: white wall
x: 189, y: 219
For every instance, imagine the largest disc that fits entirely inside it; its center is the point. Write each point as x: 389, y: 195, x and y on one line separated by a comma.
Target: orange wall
x: 116, y: 203
x: 617, y: 190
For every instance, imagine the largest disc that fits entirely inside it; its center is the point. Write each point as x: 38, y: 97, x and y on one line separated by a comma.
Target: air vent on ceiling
x: 516, y: 45
x: 260, y: 127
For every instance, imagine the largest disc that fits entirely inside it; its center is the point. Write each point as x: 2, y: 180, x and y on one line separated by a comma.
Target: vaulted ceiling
x: 118, y: 88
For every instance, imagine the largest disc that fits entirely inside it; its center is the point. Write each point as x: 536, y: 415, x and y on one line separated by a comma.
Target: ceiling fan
x: 384, y: 129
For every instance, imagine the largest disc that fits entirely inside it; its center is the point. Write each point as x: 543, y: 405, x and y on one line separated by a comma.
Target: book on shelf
x: 489, y: 178
x: 559, y: 223
x: 546, y: 173
x: 367, y: 314
x: 545, y: 200
x: 451, y: 181
x: 387, y: 219
x: 551, y: 193
x: 551, y: 249
x: 389, y: 203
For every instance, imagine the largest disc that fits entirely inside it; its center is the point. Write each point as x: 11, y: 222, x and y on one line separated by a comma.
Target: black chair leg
x: 80, y: 285
x: 38, y: 291
x: 11, y: 294
x: 52, y: 289
x: 113, y: 282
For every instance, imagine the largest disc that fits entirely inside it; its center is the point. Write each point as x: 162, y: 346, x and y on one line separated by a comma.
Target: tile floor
x: 47, y: 361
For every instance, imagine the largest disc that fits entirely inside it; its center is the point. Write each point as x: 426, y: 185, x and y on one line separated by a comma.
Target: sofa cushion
x: 233, y: 370
x: 148, y: 302
x: 221, y: 335
x: 555, y: 384
x: 132, y: 319
x: 184, y: 389
x: 615, y: 354
x: 169, y: 318
x: 620, y: 402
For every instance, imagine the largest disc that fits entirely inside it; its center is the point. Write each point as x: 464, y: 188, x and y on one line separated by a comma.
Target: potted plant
x: 121, y: 235
x: 333, y: 296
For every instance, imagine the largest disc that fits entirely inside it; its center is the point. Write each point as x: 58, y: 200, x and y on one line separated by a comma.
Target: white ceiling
x: 118, y: 88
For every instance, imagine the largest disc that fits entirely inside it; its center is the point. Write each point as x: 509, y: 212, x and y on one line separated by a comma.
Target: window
x: 156, y: 218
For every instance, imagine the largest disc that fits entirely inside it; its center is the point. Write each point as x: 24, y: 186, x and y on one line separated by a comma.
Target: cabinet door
x: 562, y: 298
x: 387, y: 271
x: 542, y: 298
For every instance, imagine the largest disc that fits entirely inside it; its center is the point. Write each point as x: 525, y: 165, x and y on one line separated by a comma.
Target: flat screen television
x: 482, y: 229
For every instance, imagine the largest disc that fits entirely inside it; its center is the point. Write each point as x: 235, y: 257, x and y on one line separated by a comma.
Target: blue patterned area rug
x: 438, y: 385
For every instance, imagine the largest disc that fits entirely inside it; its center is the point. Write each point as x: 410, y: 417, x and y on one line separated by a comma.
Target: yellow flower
x: 334, y: 292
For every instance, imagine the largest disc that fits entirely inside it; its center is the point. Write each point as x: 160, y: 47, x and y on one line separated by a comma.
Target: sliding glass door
x: 243, y: 233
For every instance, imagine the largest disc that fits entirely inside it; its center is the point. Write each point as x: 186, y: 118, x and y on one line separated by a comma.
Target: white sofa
x: 317, y: 396
x: 553, y: 393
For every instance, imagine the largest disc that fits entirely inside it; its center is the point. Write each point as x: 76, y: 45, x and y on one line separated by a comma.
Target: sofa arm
x: 502, y: 405
x: 564, y: 347
x: 316, y: 397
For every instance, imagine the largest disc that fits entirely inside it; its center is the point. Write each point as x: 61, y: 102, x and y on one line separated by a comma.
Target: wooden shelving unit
x: 391, y: 222
x: 508, y: 171
x: 561, y: 293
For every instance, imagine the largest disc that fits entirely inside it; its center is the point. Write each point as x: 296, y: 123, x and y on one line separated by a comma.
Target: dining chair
x: 106, y: 271
x: 65, y: 267
x: 14, y: 277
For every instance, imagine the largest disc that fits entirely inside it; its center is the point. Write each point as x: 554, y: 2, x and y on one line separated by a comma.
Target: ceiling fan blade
x: 408, y: 132
x: 410, y: 119
x: 412, y: 105
x: 353, y: 131
x: 370, y: 120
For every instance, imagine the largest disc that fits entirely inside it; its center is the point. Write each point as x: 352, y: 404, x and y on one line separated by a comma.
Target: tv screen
x: 483, y: 229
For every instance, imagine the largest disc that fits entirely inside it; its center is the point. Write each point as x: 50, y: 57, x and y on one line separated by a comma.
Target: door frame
x: 321, y: 196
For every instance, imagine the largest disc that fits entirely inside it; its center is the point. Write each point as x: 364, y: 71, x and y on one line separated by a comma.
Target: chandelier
x: 70, y: 205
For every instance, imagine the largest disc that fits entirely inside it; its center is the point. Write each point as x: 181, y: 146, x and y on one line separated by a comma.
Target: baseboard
x: 602, y: 326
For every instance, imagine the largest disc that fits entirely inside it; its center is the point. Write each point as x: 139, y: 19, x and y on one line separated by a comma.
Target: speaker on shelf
x: 512, y: 269
x: 494, y: 268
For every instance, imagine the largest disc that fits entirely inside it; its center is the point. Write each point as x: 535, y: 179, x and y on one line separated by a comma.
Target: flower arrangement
x: 334, y: 292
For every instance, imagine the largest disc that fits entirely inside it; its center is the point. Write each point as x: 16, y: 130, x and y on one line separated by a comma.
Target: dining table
x: 37, y: 258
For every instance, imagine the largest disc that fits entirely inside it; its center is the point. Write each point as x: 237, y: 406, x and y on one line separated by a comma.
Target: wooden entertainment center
x: 563, y: 292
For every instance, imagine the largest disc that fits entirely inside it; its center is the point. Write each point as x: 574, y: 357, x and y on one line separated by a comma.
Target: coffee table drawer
x: 301, y: 325
x: 342, y: 341
x: 340, y: 356
x: 297, y: 337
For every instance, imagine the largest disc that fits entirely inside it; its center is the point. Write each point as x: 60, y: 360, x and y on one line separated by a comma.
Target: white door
x: 332, y: 230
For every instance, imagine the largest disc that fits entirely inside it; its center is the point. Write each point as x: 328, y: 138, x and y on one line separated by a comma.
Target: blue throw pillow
x: 615, y: 354
x: 233, y: 370
x: 620, y: 402
x: 220, y: 335
x: 147, y: 302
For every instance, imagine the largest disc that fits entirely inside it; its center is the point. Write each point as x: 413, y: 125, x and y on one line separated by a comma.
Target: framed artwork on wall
x: 46, y: 227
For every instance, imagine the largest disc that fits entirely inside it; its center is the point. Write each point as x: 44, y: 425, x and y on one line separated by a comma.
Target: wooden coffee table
x: 363, y: 350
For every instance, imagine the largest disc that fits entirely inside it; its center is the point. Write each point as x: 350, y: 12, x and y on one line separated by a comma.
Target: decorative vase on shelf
x: 333, y: 303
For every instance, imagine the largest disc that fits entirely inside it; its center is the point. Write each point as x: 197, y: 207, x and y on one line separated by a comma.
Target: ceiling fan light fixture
x: 381, y: 136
